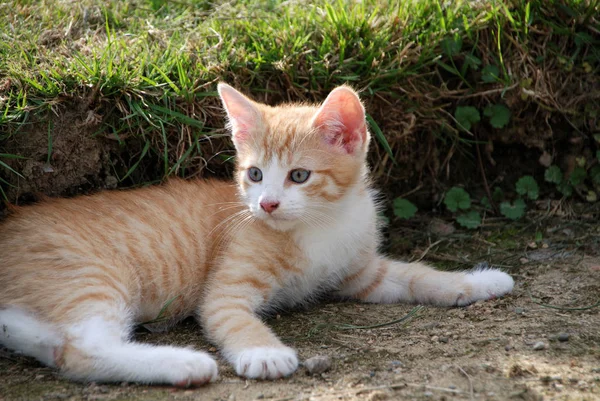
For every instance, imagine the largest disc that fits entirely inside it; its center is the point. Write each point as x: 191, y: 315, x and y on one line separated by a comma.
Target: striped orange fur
x: 299, y: 220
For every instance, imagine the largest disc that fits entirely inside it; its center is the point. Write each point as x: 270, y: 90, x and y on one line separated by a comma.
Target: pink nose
x: 269, y: 206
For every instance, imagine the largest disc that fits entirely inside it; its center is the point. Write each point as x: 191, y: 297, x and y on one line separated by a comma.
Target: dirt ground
x: 513, y: 348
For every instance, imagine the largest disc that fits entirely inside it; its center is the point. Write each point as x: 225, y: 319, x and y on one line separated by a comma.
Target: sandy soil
x: 486, y: 351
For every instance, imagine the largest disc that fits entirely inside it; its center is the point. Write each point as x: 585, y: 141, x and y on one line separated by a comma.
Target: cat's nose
x: 269, y: 206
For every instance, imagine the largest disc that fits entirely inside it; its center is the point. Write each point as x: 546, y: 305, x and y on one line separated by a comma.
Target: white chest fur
x: 330, y: 250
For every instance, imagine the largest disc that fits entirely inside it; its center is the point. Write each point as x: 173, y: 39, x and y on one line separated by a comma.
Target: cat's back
x: 111, y: 222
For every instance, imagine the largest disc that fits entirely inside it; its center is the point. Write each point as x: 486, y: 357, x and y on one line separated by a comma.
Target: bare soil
x: 486, y: 351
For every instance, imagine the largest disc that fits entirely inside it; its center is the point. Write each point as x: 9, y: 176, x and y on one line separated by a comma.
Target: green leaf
x: 553, y: 174
x: 527, y: 186
x: 6, y: 166
x: 485, y: 202
x: 490, y: 73
x: 404, y: 209
x: 498, y: 114
x: 451, y: 46
x: 565, y: 188
x: 470, y: 219
x: 381, y: 137
x: 457, y: 198
x: 577, y: 176
x: 466, y: 116
x: 132, y: 168
x: 498, y: 194
x: 513, y: 211
x: 472, y: 61
x: 539, y: 236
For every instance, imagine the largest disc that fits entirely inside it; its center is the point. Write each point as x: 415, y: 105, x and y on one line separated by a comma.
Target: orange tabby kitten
x: 77, y: 274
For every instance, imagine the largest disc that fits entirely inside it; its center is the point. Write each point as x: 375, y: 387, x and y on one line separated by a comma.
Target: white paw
x: 190, y: 368
x: 266, y: 363
x: 487, y: 284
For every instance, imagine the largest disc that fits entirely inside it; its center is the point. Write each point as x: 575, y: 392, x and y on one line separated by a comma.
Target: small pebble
x: 562, y: 337
x: 540, y: 345
x: 443, y: 340
x: 507, y: 348
x: 435, y: 339
x: 317, y: 364
x: 397, y: 363
x: 519, y: 311
x: 428, y: 394
x: 372, y: 373
x: 452, y: 387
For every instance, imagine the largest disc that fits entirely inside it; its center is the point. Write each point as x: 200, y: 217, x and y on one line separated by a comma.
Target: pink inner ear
x: 342, y: 120
x: 243, y: 114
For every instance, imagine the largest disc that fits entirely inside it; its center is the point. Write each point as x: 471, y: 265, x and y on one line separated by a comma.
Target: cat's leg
x: 228, y: 317
x: 23, y: 332
x: 97, y: 347
x: 385, y: 280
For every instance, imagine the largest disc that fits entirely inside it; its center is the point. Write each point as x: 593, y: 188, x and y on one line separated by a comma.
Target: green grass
x: 149, y: 68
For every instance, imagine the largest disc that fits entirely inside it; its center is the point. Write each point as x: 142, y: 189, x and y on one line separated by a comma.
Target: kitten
x: 77, y: 274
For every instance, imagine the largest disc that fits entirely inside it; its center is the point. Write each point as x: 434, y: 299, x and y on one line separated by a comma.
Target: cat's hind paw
x: 266, y: 363
x: 487, y: 284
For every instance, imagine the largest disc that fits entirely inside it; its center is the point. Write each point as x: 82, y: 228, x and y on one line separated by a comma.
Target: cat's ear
x: 243, y: 114
x: 341, y: 119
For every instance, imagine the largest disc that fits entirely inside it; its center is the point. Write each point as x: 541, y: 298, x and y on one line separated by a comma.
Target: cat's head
x: 296, y: 164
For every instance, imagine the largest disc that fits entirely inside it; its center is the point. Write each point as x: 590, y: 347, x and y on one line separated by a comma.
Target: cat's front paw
x: 190, y: 368
x: 266, y: 363
x: 486, y: 284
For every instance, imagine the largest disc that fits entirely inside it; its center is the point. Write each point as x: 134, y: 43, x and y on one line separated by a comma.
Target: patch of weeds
x: 583, y: 180
x: 458, y: 201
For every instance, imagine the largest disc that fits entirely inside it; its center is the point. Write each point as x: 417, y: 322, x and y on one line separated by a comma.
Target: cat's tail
x: 22, y: 332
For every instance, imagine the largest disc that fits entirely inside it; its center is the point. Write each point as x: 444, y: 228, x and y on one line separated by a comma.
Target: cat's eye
x: 255, y: 174
x: 299, y: 175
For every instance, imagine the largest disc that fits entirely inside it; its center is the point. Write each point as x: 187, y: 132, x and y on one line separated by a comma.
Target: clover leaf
x: 466, y: 116
x: 457, y: 198
x: 498, y: 114
x: 514, y: 210
x: 527, y: 185
x: 470, y: 219
x: 404, y: 208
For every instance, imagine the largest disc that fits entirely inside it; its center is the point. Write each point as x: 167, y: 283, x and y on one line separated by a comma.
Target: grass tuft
x: 145, y: 71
